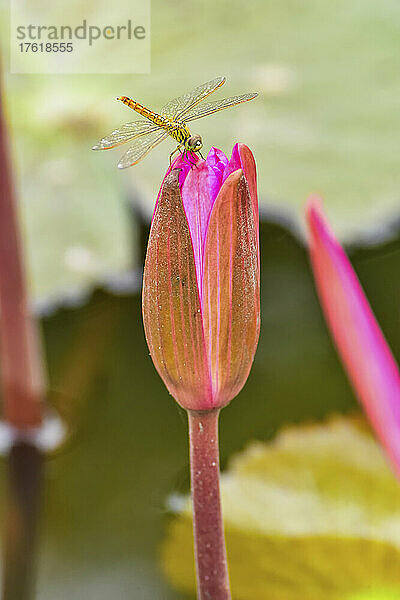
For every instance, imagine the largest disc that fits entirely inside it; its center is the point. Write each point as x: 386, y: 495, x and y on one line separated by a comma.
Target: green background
x: 327, y: 121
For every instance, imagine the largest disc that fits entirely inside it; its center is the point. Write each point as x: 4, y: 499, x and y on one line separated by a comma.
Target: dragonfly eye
x: 195, y: 143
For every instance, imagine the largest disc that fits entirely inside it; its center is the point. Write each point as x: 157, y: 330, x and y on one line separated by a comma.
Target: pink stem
x: 22, y: 378
x: 208, y: 527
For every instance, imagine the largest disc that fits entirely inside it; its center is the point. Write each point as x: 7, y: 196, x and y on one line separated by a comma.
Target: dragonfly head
x: 194, y: 143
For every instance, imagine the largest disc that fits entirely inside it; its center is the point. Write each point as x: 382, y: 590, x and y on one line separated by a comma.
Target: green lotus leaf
x: 314, y: 514
x: 326, y: 121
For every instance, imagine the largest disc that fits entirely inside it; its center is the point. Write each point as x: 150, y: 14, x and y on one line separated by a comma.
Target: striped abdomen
x: 145, y: 112
x: 179, y: 131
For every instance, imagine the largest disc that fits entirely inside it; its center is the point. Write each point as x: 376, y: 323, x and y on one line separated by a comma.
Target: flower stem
x: 208, y: 527
x: 25, y: 482
x: 22, y: 371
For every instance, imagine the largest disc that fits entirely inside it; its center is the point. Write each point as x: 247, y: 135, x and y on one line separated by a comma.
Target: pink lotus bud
x: 201, y: 285
x: 362, y: 347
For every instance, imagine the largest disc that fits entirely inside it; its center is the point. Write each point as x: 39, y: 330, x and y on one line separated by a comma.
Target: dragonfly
x: 146, y: 133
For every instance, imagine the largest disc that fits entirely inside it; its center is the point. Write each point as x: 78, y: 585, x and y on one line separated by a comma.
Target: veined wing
x: 141, y: 147
x: 209, y: 108
x: 176, y: 108
x: 129, y: 131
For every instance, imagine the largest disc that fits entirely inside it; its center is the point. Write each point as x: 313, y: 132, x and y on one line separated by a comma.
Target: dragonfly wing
x: 209, y: 108
x: 141, y: 147
x: 176, y: 108
x: 129, y: 131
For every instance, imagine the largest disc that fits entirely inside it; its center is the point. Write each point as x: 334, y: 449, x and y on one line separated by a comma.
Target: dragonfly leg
x: 177, y: 149
x: 188, y: 155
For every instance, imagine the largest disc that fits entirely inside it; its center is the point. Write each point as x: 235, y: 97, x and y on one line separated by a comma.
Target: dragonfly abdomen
x: 176, y: 129
x: 179, y: 131
x: 145, y: 112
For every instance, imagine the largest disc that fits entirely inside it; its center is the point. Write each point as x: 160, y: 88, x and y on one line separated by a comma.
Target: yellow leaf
x: 313, y: 515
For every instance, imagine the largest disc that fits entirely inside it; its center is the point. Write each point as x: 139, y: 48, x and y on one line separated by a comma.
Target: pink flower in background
x: 362, y: 347
x: 201, y: 286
